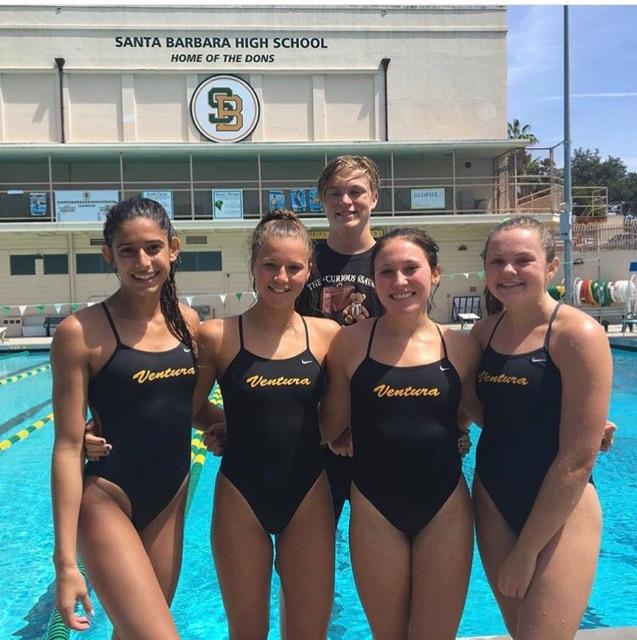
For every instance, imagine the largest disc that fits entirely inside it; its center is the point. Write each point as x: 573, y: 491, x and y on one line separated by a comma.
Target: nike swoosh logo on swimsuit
x: 306, y: 362
x: 444, y: 368
x: 536, y: 360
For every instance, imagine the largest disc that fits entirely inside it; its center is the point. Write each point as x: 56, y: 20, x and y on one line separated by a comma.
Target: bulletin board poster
x: 314, y: 200
x: 37, y: 204
x: 164, y: 198
x: 276, y: 200
x: 227, y: 204
x: 427, y: 198
x: 298, y: 199
x: 84, y: 206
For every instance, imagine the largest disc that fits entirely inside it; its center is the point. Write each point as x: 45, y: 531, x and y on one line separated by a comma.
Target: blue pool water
x: 26, y: 535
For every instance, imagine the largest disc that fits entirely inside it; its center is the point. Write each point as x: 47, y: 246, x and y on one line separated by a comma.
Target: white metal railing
x: 502, y: 193
x: 615, y: 233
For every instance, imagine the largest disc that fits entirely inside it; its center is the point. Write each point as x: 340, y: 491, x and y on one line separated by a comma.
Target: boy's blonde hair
x: 349, y: 164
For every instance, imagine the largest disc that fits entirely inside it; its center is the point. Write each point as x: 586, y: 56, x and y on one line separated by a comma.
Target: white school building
x: 224, y: 112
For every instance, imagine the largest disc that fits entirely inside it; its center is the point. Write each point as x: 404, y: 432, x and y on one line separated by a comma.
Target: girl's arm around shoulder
x: 345, y: 354
x: 465, y: 352
x: 210, y: 336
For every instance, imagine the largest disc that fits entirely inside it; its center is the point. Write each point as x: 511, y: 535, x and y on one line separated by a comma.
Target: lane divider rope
x: 24, y: 374
x: 25, y: 433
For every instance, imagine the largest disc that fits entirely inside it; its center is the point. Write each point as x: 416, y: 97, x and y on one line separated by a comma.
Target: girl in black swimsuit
x: 132, y: 360
x: 271, y: 482
x: 400, y: 381
x: 545, y: 382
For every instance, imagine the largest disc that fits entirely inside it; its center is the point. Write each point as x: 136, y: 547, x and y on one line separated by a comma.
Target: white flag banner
x: 222, y: 297
x: 90, y: 304
x: 58, y: 307
x: 189, y: 300
x: 23, y: 308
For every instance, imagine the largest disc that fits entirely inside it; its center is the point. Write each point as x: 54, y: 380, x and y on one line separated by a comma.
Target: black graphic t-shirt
x: 341, y: 288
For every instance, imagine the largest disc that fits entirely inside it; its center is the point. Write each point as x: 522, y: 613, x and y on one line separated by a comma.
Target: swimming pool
x: 26, y: 534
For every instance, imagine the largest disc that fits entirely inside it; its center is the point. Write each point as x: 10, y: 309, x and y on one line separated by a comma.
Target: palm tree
x: 524, y: 162
x: 517, y: 132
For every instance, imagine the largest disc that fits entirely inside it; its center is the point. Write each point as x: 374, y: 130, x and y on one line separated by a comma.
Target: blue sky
x: 603, y: 56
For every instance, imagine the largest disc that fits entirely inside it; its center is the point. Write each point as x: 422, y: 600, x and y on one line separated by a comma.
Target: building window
x: 200, y: 261
x: 22, y: 265
x: 55, y: 264
x: 91, y: 263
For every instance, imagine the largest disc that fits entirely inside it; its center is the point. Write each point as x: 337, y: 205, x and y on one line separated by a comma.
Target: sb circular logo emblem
x: 225, y: 108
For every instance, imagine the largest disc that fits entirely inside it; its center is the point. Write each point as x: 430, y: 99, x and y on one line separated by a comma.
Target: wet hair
x: 410, y: 234
x: 416, y: 236
x: 280, y: 223
x: 353, y: 164
x: 137, y: 207
x: 547, y: 242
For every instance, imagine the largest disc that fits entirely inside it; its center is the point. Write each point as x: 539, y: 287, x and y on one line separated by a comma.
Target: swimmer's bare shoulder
x: 209, y: 340
x: 191, y: 317
x: 574, y: 333
x: 85, y: 331
x: 322, y: 332
x: 482, y: 329
x: 77, y: 345
x: 349, y: 345
x: 463, y: 349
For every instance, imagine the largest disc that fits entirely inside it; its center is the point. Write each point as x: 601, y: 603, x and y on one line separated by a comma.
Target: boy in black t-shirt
x: 341, y: 287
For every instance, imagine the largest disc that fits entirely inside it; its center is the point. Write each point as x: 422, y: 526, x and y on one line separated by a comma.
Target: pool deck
x: 619, y: 633
x: 25, y: 344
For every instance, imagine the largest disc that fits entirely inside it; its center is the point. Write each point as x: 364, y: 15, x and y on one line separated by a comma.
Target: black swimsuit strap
x: 548, y: 331
x: 307, y: 335
x: 494, y: 328
x: 371, y: 337
x: 444, y: 344
x: 110, y: 321
x: 241, y: 332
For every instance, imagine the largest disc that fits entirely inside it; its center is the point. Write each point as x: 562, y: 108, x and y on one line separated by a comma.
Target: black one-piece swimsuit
x: 522, y: 397
x: 273, y: 454
x: 405, y: 437
x: 143, y: 401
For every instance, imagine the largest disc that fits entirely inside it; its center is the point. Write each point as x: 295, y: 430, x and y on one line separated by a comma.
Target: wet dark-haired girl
x: 400, y: 380
x: 269, y: 365
x: 545, y: 380
x: 132, y: 360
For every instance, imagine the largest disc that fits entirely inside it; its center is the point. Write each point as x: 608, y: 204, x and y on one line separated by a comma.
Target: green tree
x: 588, y: 169
x: 630, y: 204
x: 526, y: 165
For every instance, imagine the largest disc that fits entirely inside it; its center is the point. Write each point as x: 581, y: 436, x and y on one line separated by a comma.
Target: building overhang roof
x: 171, y: 151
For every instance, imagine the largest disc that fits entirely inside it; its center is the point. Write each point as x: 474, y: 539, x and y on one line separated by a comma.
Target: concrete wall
x: 461, y: 269
x: 233, y: 278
